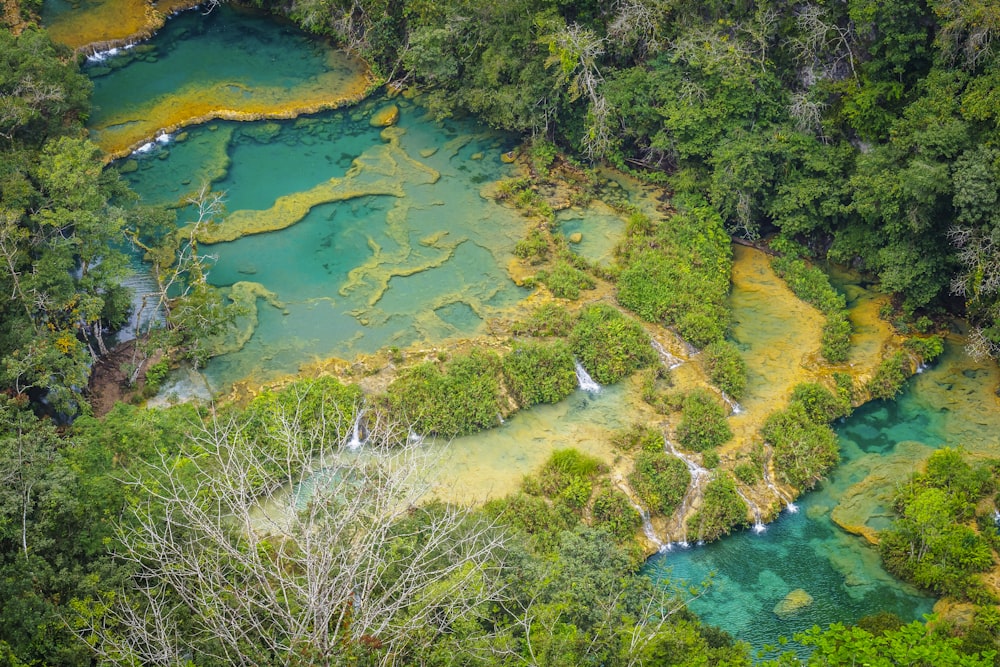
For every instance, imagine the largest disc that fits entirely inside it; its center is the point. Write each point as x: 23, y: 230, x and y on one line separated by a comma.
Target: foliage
x: 567, y: 476
x: 804, y: 450
x: 539, y: 372
x: 565, y: 280
x: 912, y: 644
x: 931, y: 543
x: 820, y: 405
x: 926, y: 349
x: 609, y: 345
x: 890, y: 375
x: 613, y: 512
x: 748, y: 473
x: 534, y: 248
x: 677, y: 272
x: 660, y: 480
x: 726, y: 367
x: 703, y: 422
x: 548, y: 319
x: 812, y: 286
x: 639, y: 437
x: 721, y: 509
x: 463, y: 397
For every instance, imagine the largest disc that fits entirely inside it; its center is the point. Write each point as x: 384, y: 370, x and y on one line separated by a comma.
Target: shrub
x: 726, y: 368
x: 889, y: 377
x: 703, y: 422
x: 748, y: 473
x: 835, y: 339
x: 803, y: 449
x: 641, y: 437
x: 660, y: 480
x: 710, y: 459
x: 721, y: 510
x: 461, y: 399
x: 569, y: 475
x: 677, y: 272
x: 539, y: 373
x: 613, y: 512
x: 813, y: 286
x: 820, y: 405
x: 534, y: 248
x: 565, y: 281
x: 536, y: 517
x: 926, y: 349
x: 609, y: 345
x: 549, y: 319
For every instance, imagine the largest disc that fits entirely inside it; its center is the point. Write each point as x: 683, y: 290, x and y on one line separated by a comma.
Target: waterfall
x: 779, y: 494
x: 667, y: 359
x: 356, y: 436
x: 734, y: 407
x: 996, y: 518
x: 583, y: 379
x: 699, y: 477
x: 101, y: 56
x: 146, y: 311
x: 758, y: 524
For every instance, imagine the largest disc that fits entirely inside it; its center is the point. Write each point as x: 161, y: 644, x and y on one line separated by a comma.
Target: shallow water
x: 950, y: 404
x: 492, y: 464
x: 230, y: 63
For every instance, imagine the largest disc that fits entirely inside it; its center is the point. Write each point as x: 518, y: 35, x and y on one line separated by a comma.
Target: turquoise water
x: 951, y: 404
x: 229, y: 63
x: 357, y: 275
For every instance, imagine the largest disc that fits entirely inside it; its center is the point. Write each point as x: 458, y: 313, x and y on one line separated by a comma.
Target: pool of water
x: 951, y: 404
x: 230, y: 63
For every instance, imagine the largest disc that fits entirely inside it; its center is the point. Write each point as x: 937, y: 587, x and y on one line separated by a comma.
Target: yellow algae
x: 103, y: 24
x: 388, y: 161
x: 244, y: 296
x: 387, y: 115
x: 870, y: 500
x: 121, y: 131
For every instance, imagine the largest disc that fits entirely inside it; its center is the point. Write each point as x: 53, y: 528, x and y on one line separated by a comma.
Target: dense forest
x: 861, y: 132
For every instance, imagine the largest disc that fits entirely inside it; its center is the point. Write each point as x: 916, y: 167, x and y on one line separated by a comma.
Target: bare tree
x: 337, y: 558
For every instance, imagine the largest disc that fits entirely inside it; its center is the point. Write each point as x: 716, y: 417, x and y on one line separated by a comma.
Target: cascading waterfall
x: 146, y: 311
x: 699, y: 477
x: 356, y: 433
x: 758, y: 523
x: 779, y: 494
x: 734, y: 407
x: 667, y: 359
x: 583, y: 379
x: 647, y: 524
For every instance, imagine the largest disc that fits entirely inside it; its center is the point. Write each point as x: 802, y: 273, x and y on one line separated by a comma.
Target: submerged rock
x: 793, y: 603
x: 386, y: 116
x: 576, y: 237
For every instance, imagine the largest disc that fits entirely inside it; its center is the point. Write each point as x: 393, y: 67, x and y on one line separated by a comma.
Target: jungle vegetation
x: 865, y: 132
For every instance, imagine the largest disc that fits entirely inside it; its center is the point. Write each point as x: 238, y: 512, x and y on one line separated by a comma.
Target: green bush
x: 539, y: 372
x: 677, y: 272
x: 721, y: 509
x: 568, y: 475
x: 726, y: 367
x: 803, y: 450
x: 835, y: 339
x: 549, y: 319
x: 813, y: 286
x: 542, y: 154
x: 461, y: 399
x: 565, y: 281
x: 748, y: 473
x: 613, y: 512
x: 710, y: 459
x: 926, y: 349
x: 820, y: 405
x: 536, y: 517
x: 703, y: 422
x: 889, y: 377
x: 639, y: 437
x: 609, y: 345
x: 534, y: 248
x: 660, y: 480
